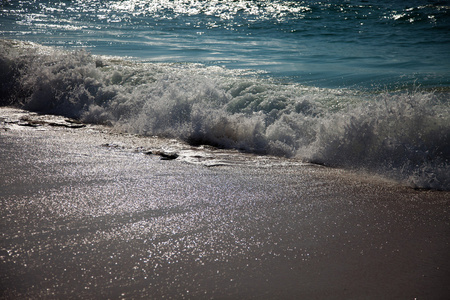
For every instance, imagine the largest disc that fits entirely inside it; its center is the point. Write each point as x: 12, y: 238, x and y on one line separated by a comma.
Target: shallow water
x: 86, y: 213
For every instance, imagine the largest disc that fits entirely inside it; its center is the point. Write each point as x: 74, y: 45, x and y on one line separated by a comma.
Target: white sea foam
x: 403, y: 134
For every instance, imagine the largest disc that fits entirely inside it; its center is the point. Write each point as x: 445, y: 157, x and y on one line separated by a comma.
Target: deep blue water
x: 354, y: 84
x: 321, y: 43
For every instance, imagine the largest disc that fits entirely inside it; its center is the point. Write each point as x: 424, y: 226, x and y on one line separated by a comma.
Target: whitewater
x: 354, y: 85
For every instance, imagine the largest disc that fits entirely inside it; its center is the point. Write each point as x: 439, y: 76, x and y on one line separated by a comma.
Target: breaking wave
x: 403, y: 134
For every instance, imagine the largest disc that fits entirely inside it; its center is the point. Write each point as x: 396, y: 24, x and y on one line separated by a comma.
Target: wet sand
x: 89, y: 213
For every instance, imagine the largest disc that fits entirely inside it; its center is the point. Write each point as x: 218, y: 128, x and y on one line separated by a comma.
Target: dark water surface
x: 326, y: 43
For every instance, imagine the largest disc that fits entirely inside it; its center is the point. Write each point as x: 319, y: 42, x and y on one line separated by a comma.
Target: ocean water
x: 355, y: 84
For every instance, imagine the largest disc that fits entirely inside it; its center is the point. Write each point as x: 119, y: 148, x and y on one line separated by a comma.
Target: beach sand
x: 91, y: 213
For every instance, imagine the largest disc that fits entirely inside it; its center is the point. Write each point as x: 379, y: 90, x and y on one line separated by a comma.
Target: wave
x: 402, y: 134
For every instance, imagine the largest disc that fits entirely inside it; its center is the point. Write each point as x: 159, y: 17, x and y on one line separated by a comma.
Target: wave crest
x: 404, y: 135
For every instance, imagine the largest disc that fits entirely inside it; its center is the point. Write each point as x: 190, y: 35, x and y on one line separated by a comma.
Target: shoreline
x: 171, y: 148
x: 89, y: 213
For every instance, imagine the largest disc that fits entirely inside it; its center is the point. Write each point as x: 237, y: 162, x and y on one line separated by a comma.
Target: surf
x: 402, y: 134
